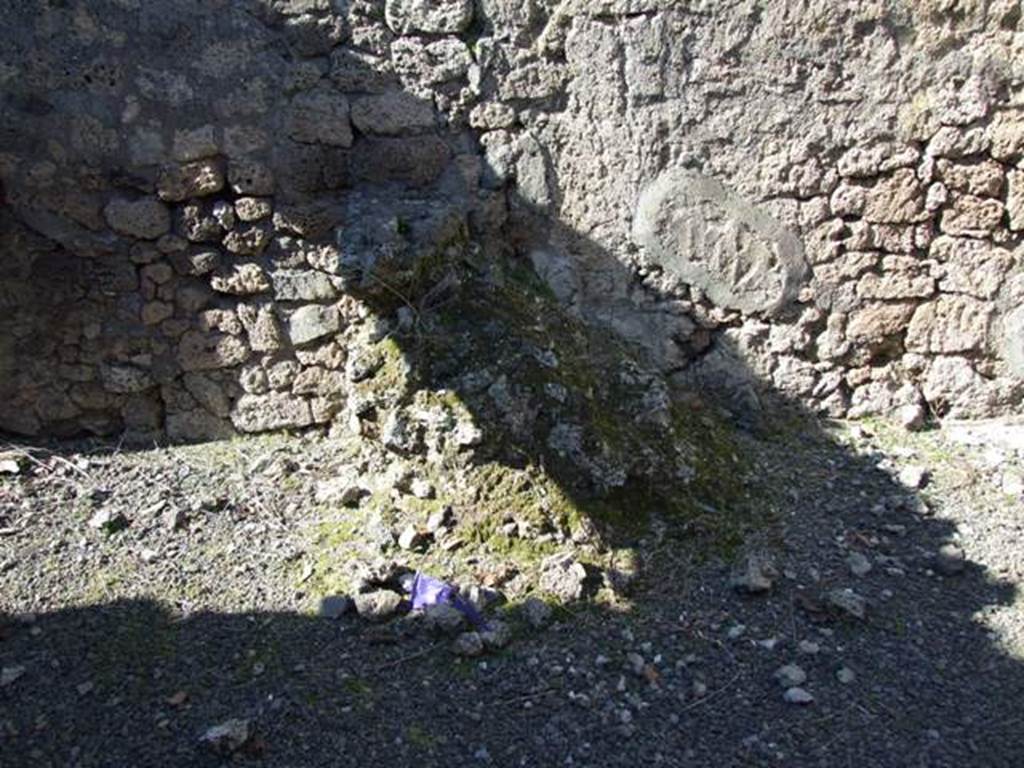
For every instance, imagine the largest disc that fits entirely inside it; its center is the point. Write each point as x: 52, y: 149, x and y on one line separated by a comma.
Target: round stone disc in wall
x: 706, y: 235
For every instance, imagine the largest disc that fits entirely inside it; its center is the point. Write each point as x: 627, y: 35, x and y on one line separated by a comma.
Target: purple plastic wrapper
x: 426, y: 591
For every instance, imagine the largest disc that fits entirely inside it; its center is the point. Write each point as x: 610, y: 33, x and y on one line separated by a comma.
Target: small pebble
x: 469, y: 644
x: 790, y: 675
x: 334, y: 606
x: 736, y: 632
x: 913, y: 476
x: 950, y: 560
x: 797, y: 695
x: 858, y: 564
x: 635, y: 663
x: 9, y: 674
x: 849, y: 602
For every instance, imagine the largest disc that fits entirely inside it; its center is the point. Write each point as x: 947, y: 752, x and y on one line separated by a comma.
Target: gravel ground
x: 124, y: 649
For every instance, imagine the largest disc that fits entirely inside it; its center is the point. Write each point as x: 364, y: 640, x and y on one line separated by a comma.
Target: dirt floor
x: 147, y: 596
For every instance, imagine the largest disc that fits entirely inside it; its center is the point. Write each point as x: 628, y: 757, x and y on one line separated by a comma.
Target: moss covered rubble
x: 683, y: 469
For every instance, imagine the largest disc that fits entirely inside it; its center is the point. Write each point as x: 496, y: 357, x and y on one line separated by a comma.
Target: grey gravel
x: 225, y: 625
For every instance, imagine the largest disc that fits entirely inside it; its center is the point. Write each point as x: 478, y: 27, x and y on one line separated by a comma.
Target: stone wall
x: 212, y: 209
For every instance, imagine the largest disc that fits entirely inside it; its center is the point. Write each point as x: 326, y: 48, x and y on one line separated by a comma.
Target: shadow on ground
x: 932, y: 686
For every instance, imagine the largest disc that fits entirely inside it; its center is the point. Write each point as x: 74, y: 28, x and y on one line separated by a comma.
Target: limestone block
x: 145, y: 219
x: 848, y: 199
x: 154, y: 312
x: 330, y: 355
x: 206, y: 352
x: 208, y: 393
x: 967, y: 265
x: 429, y: 16
x: 897, y: 199
x: 393, y: 114
x: 430, y: 62
x: 282, y: 374
x: 951, y: 379
x: 260, y: 324
x: 416, y: 161
x: 247, y: 241
x: 956, y: 142
x: 314, y: 35
x: 965, y: 103
x: 794, y: 376
x: 1006, y: 133
x: 219, y: 320
x: 194, y: 144
x: 1011, y: 339
x: 252, y: 208
x: 250, y: 177
x: 302, y: 285
x: 312, y: 322
x: 1015, y: 200
x: 319, y: 381
x: 125, y: 379
x: 310, y: 221
x: 241, y: 280
x: 532, y: 174
x: 971, y: 215
x: 949, y: 324
x: 326, y: 258
x: 196, y: 223
x: 984, y: 179
x: 491, y: 116
x: 193, y: 426
x: 900, y: 284
x: 320, y: 117
x: 355, y: 71
x: 262, y: 413
x: 197, y: 179
x: 253, y: 379
x: 876, y: 322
